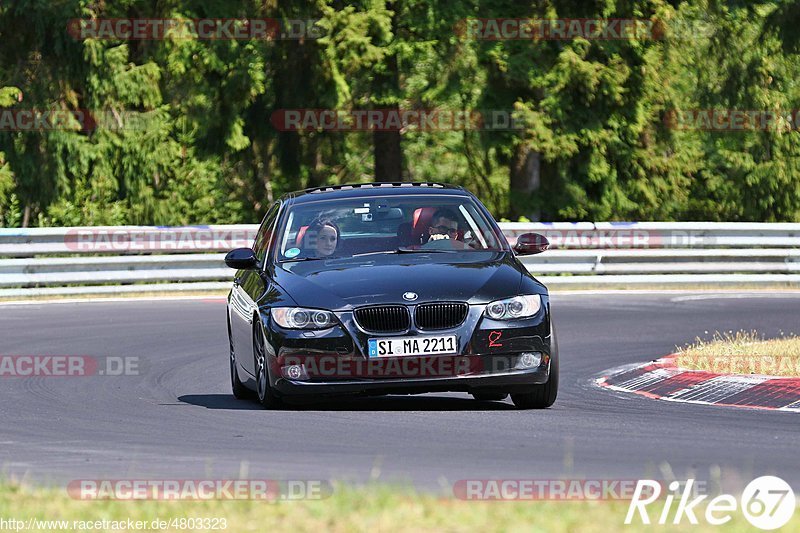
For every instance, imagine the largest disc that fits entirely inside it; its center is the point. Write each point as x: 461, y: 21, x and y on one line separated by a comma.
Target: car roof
x: 360, y: 190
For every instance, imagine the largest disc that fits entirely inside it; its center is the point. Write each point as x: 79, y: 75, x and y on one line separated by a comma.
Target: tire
x: 489, y: 396
x: 266, y: 396
x: 542, y: 396
x: 240, y: 392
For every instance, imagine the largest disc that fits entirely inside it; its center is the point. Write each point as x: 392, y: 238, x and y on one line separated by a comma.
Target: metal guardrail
x: 87, y: 260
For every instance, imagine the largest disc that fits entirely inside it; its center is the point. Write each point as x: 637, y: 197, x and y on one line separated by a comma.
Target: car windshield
x: 355, y: 227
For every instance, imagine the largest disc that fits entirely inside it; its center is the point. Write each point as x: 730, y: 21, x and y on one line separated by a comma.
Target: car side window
x: 264, y: 236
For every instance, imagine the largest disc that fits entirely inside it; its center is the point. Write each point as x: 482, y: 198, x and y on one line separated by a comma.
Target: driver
x: 322, y: 237
x: 443, y: 231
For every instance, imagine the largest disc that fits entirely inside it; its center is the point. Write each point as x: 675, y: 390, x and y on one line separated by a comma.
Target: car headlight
x: 524, y: 306
x: 302, y: 318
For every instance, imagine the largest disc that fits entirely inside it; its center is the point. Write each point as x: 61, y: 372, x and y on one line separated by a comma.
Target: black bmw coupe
x: 388, y: 288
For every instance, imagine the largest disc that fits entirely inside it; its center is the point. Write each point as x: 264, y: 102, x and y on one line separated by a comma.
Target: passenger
x: 444, y: 227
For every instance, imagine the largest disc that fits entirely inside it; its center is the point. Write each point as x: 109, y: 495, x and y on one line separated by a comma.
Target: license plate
x: 402, y: 346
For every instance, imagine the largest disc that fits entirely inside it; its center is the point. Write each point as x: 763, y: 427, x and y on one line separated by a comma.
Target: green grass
x: 373, y: 508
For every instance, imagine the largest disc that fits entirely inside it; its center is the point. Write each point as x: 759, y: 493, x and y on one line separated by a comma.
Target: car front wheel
x: 541, y: 396
x: 240, y: 392
x: 266, y: 396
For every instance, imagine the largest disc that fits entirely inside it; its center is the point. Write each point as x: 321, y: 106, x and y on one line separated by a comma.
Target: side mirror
x: 242, y: 259
x: 531, y: 243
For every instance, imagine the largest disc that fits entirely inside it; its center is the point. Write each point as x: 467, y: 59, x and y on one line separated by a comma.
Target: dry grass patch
x: 743, y: 352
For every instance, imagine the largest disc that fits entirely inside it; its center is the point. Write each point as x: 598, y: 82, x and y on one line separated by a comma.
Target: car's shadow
x: 364, y: 403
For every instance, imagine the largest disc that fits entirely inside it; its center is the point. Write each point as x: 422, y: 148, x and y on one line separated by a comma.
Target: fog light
x: 294, y: 372
x: 529, y: 360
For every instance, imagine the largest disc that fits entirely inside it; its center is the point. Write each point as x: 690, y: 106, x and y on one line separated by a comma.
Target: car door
x: 248, y: 286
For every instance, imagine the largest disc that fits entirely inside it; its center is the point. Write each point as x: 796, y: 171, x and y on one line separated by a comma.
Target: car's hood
x: 475, y: 277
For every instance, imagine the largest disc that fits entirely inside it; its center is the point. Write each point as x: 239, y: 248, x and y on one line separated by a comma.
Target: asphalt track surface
x: 177, y: 419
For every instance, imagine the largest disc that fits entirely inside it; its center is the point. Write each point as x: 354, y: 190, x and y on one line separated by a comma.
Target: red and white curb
x: 663, y: 380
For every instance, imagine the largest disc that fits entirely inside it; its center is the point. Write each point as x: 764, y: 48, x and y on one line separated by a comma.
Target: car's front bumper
x: 336, y: 361
x: 507, y: 382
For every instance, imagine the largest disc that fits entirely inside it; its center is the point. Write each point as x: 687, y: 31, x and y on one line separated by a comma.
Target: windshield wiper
x: 424, y: 251
x: 405, y: 251
x: 303, y: 259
